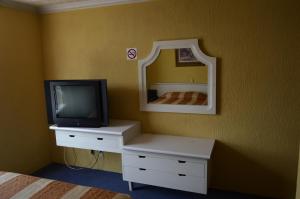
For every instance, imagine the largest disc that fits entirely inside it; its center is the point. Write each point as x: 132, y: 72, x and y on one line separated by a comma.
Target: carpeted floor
x: 114, y: 182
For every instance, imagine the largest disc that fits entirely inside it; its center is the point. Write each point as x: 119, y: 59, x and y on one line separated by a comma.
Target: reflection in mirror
x: 176, y: 77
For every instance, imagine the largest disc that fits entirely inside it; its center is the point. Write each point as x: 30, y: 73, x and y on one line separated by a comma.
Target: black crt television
x: 77, y: 103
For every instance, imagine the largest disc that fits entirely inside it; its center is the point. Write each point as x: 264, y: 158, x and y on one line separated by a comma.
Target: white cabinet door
x: 175, y: 164
x: 165, y: 179
x: 88, y: 141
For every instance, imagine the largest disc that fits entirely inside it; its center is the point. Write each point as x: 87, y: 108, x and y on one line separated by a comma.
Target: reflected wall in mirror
x: 178, y: 77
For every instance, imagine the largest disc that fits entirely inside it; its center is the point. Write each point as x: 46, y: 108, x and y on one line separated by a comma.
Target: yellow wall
x: 164, y: 70
x: 257, y: 125
x: 24, y: 139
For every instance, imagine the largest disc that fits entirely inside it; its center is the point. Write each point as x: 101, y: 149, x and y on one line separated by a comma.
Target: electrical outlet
x: 95, y: 152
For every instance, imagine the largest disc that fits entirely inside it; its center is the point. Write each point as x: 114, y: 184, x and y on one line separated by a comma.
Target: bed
x: 178, y: 94
x: 19, y: 186
x: 182, y: 98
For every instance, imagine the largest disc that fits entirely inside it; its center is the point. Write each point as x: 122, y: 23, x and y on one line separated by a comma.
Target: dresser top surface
x: 116, y: 127
x: 173, y: 145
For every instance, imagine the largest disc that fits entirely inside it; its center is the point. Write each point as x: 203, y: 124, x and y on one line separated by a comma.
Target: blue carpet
x: 114, y: 182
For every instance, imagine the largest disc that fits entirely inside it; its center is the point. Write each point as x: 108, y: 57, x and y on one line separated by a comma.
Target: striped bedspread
x: 19, y: 186
x: 183, y: 98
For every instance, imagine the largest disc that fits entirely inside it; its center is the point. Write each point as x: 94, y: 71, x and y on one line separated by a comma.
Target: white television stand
x: 108, y: 139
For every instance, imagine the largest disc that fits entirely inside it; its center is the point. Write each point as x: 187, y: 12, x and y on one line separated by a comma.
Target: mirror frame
x: 210, y: 62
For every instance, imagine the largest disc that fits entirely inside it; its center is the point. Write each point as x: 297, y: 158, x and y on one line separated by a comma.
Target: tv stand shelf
x: 109, y: 139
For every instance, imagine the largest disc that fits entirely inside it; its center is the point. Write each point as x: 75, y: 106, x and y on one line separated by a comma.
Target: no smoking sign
x: 131, y: 53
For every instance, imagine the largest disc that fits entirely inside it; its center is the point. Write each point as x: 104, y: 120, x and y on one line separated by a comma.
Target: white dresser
x: 109, y: 139
x: 161, y: 160
x: 168, y: 161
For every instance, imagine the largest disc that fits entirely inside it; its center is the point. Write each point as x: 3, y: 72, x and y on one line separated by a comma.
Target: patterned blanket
x: 19, y: 186
x: 183, y: 98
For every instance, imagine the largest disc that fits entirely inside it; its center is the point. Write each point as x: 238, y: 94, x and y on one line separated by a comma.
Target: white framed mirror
x: 177, y: 77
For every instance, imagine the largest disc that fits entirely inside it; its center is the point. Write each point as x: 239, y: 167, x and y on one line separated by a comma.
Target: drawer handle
x: 180, y: 174
x: 142, y: 169
x: 99, y: 138
x: 142, y: 156
x: 71, y: 136
x: 181, y: 161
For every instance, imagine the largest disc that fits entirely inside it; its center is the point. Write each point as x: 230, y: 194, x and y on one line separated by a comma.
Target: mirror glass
x: 176, y: 77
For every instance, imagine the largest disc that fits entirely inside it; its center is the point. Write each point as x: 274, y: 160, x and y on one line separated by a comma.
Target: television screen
x: 75, y: 102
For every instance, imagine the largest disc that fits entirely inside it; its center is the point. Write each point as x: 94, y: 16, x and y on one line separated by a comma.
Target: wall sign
x: 131, y: 53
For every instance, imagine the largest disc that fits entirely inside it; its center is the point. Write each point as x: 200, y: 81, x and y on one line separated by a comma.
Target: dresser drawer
x: 88, y: 141
x: 165, y: 179
x: 167, y: 163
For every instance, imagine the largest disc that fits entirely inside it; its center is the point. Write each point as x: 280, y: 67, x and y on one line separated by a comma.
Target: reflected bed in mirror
x: 177, y: 93
x: 177, y: 77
